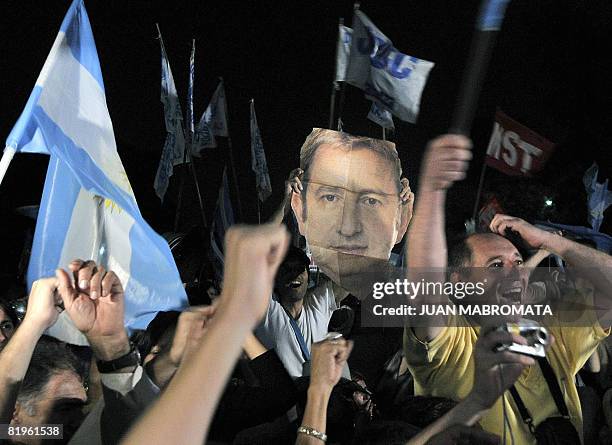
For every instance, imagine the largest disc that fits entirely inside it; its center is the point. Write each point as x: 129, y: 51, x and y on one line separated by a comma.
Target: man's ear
x: 404, y: 218
x: 16, y: 420
x: 297, y: 205
x: 455, y: 277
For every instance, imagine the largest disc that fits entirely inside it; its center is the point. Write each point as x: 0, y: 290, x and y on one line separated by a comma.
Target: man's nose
x: 2, y: 336
x: 350, y: 223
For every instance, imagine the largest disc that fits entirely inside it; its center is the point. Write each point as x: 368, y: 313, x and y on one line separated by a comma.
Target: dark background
x: 550, y: 71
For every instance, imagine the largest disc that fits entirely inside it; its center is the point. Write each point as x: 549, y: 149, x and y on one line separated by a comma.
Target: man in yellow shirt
x: 439, y: 350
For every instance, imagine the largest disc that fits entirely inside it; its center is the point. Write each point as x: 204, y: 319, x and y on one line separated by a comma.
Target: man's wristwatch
x: 132, y: 358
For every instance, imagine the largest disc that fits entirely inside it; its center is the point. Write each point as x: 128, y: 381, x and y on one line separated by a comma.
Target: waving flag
x: 598, y: 196
x: 173, y: 152
x: 213, y: 122
x: 88, y: 209
x: 258, y: 159
x: 381, y: 116
x: 388, y: 76
x: 343, y: 51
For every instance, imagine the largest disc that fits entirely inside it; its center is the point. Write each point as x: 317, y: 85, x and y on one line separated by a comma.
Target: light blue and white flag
x: 599, y: 198
x: 381, y: 116
x: 258, y: 159
x: 88, y: 209
x: 343, y: 51
x: 213, y: 122
x: 392, y: 78
x: 173, y: 152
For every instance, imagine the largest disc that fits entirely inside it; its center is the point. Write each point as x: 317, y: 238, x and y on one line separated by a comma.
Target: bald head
x: 484, y: 250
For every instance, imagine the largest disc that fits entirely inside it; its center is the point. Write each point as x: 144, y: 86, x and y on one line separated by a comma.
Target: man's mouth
x: 294, y: 284
x: 351, y: 249
x: 511, y: 293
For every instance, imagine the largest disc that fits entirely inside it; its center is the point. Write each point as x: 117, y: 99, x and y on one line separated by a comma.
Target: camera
x: 537, y: 338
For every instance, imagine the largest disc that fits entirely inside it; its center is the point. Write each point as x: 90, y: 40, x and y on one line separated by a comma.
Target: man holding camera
x: 439, y: 349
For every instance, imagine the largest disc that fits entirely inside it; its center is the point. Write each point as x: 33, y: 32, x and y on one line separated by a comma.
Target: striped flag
x: 258, y: 159
x: 173, y: 152
x: 88, y: 209
x: 222, y: 220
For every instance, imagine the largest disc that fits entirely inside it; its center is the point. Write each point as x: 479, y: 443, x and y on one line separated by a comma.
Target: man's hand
x: 328, y: 360
x: 534, y: 237
x: 95, y: 303
x: 406, y: 194
x: 446, y: 162
x: 252, y: 257
x: 293, y: 184
x: 495, y: 372
x: 43, y: 305
x: 190, y: 328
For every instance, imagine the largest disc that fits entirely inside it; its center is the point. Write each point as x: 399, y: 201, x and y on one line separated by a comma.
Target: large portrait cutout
x: 350, y: 210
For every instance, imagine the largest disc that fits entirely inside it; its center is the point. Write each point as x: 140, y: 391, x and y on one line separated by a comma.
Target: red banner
x: 515, y: 149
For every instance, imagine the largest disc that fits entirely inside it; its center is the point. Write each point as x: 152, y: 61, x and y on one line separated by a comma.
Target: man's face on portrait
x: 350, y: 211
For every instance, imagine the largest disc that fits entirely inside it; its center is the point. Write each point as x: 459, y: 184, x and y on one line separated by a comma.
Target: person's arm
x: 292, y: 185
x: 328, y: 360
x: 591, y: 264
x: 445, y: 162
x: 41, y: 314
x: 184, y: 411
x: 253, y: 347
x: 490, y: 386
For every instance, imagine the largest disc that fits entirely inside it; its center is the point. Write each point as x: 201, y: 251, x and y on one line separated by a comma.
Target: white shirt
x: 275, y: 330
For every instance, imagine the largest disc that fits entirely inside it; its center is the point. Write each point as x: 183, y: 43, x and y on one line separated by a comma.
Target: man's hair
x: 50, y: 358
x: 459, y: 252
x: 321, y: 136
x: 10, y: 313
x: 160, y: 331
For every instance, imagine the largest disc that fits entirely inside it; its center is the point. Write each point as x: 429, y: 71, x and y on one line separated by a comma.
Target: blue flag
x: 258, y: 159
x: 599, y: 197
x: 88, y: 209
x: 173, y: 152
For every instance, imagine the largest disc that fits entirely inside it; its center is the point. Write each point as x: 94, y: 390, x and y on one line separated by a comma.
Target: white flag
x: 258, y: 159
x: 212, y: 123
x: 343, y: 51
x: 173, y: 152
x: 381, y: 116
x: 392, y: 78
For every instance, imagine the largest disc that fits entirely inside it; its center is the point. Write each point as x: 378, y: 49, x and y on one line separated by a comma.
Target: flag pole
x: 479, y: 192
x: 488, y: 25
x: 343, y: 86
x: 7, y: 157
x: 230, y: 151
x: 335, y: 86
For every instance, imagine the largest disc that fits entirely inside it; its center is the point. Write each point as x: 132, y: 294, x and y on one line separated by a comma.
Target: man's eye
x: 372, y: 202
x: 496, y: 264
x: 519, y: 262
x: 330, y: 198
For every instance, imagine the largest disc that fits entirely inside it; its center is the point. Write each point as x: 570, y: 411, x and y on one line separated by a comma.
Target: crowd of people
x: 285, y: 352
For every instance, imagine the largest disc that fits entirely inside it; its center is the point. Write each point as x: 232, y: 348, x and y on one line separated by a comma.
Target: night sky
x: 549, y: 71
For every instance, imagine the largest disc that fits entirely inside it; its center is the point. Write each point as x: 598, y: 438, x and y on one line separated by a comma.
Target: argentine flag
x: 88, y: 209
